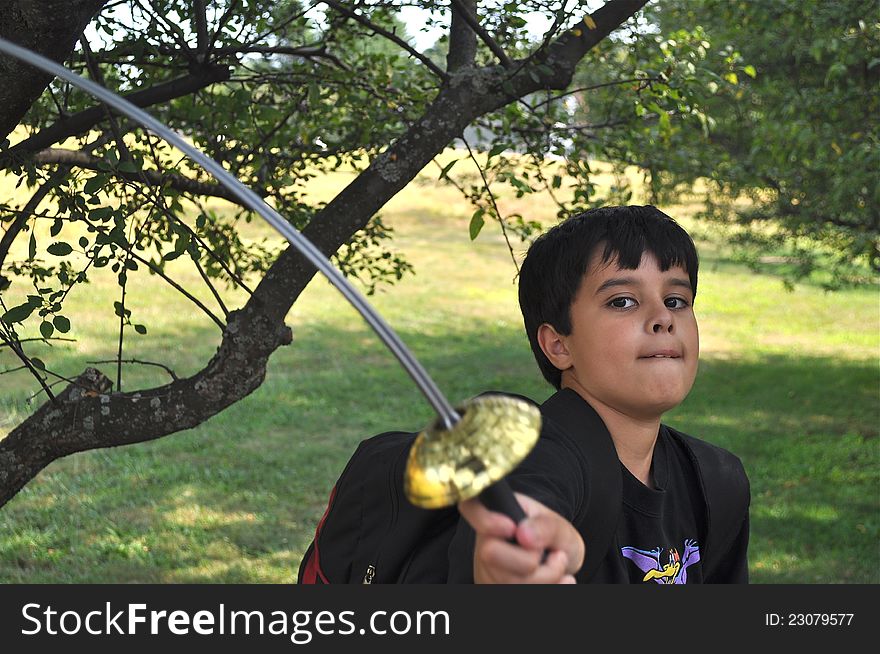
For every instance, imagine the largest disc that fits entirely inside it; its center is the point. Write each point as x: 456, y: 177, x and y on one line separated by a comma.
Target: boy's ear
x: 553, y: 346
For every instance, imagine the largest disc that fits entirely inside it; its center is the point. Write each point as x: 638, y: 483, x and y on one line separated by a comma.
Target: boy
x: 607, y: 300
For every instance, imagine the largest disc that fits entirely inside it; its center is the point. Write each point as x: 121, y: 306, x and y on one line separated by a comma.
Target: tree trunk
x: 48, y: 27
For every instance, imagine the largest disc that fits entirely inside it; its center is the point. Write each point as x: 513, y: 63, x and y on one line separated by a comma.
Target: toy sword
x: 469, y: 450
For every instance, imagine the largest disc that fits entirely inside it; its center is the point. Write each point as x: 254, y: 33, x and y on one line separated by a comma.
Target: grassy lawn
x: 788, y: 381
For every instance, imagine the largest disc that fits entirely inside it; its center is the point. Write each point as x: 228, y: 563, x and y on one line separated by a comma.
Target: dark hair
x: 557, y: 261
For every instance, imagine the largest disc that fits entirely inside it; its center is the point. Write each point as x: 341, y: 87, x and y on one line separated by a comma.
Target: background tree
x: 797, y: 134
x: 277, y: 93
x: 772, y: 106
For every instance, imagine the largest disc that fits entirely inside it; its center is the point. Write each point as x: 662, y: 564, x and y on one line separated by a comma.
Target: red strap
x: 313, y: 567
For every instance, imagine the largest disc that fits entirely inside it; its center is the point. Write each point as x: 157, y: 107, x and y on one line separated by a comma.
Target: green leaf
x: 101, y: 213
x: 521, y: 187
x: 120, y: 310
x: 447, y: 168
x: 32, y: 247
x: 750, y: 71
x: 118, y: 237
x: 140, y: 329
x: 182, y: 242
x: 19, y: 313
x: 56, y: 227
x: 477, y: 223
x: 497, y: 149
x: 47, y: 329
x: 665, y: 126
x: 83, y: 242
x: 60, y: 249
x: 62, y: 324
x: 314, y: 94
x: 38, y: 363
x: 95, y: 184
x: 128, y: 167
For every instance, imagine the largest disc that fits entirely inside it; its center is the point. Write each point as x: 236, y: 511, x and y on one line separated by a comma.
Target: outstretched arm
x: 499, y: 561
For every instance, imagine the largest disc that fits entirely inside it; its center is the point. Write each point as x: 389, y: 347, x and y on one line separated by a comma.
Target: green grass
x: 788, y: 381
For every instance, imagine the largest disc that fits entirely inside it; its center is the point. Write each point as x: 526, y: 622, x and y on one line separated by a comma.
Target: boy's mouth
x: 664, y: 354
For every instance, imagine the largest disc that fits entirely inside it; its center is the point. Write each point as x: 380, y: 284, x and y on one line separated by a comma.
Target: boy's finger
x: 550, y: 532
x: 505, y: 559
x: 485, y: 521
x: 502, y: 563
x: 552, y: 571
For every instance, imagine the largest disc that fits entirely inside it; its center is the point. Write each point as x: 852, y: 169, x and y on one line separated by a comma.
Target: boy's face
x: 634, y: 343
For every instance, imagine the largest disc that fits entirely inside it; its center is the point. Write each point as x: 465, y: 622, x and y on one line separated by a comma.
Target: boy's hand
x: 498, y: 561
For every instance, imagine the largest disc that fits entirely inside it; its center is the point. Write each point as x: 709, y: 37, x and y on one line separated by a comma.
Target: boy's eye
x: 675, y: 302
x: 622, y: 303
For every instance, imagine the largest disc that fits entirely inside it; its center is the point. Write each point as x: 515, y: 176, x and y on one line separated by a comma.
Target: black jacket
x: 574, y: 470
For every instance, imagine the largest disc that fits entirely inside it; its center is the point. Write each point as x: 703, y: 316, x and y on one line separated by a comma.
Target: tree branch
x: 462, y: 40
x: 41, y: 339
x: 28, y: 210
x: 200, y: 17
x: 345, y: 11
x: 494, y: 203
x: 641, y: 80
x: 177, y: 287
x: 564, y: 53
x: 207, y: 248
x: 95, y: 72
x: 224, y: 19
x: 87, y: 119
x: 471, y: 19
x: 12, y: 341
x: 172, y: 28
x: 306, y: 51
x: 151, y: 177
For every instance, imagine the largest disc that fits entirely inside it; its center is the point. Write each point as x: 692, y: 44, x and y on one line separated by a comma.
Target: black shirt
x: 661, y: 528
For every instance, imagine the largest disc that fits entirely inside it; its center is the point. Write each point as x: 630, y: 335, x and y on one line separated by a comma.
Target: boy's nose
x: 662, y: 322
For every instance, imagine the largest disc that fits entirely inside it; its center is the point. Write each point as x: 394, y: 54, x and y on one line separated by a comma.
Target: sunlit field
x: 788, y: 381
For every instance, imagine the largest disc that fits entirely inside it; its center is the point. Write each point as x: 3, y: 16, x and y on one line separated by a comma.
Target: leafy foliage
x: 793, y: 133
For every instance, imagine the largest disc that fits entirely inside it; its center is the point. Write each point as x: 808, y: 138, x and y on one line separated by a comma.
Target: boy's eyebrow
x: 632, y: 281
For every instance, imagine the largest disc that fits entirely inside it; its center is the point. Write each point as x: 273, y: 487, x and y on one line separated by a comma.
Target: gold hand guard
x: 494, y: 434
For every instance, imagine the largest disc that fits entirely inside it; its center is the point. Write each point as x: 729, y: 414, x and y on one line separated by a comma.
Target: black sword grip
x: 499, y: 498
